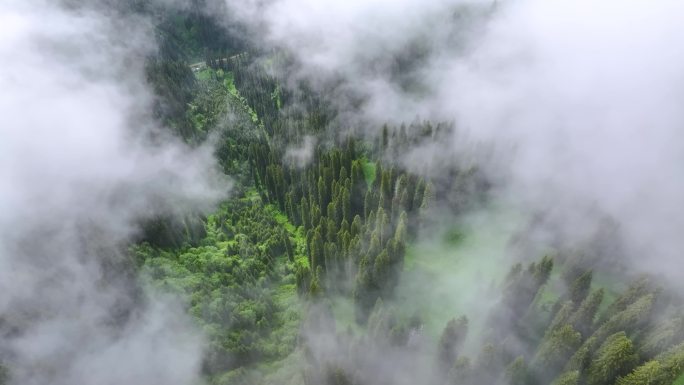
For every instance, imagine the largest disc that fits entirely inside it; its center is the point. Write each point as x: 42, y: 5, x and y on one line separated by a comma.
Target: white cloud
x: 78, y: 169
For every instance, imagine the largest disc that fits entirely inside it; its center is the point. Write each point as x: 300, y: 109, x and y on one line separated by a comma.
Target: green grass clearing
x: 369, y: 171
x: 456, y: 273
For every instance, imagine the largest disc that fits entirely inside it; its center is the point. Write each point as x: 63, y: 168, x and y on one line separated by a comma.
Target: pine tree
x: 332, y: 212
x: 666, y: 333
x: 322, y: 193
x: 616, y: 357
x: 374, y: 248
x: 302, y: 277
x: 583, y: 319
x: 636, y: 291
x: 343, y: 174
x: 418, y: 194
x: 568, y: 378
x: 450, y: 342
x: 562, y: 317
x: 378, y: 177
x: 581, y: 359
x: 489, y: 364
x: 382, y: 225
x: 665, y: 369
x: 580, y: 287
x: 631, y: 319
x: 386, y: 189
x: 331, y: 231
x: 368, y: 204
x: 557, y: 348
x: 381, y: 270
x: 517, y: 372
x: 355, y: 226
x: 288, y: 246
x: 402, y: 229
x: 305, y: 213
x: 461, y: 373
x: 289, y: 209
x: 315, y: 215
x: 345, y: 197
x: 316, y: 288
x: 543, y: 271
x: 317, y: 251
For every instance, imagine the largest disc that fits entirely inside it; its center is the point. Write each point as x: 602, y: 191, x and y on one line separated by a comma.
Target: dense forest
x: 313, y: 271
x: 294, y: 279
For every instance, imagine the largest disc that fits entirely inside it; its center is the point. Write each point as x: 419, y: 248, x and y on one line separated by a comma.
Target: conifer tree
x: 568, y: 378
x: 616, y: 357
x: 583, y: 319
x: 517, y: 372
x: 305, y: 213
x: 355, y: 226
x: 368, y: 203
x: 450, y: 342
x: 317, y: 251
x: 557, y: 348
x: 580, y: 287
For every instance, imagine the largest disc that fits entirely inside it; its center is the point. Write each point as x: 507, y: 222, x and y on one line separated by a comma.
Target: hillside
x: 265, y: 213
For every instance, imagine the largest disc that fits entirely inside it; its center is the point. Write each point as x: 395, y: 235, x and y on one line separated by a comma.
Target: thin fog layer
x: 580, y: 99
x: 79, y: 166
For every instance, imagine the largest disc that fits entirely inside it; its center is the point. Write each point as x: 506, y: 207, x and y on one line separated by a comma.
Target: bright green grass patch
x: 229, y: 82
x: 295, y: 233
x: 368, y: 171
x: 679, y: 380
x: 205, y: 74
x: 457, y: 272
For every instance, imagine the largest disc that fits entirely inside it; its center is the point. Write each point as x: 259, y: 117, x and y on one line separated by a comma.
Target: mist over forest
x: 328, y: 192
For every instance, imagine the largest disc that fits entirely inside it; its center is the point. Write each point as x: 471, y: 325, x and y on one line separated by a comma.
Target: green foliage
x: 636, y: 291
x: 239, y: 284
x: 581, y: 359
x: 517, y: 372
x: 557, y: 348
x: 665, y: 334
x: 450, y: 342
x: 665, y: 369
x: 582, y: 320
x: 630, y: 319
x: 616, y: 357
x: 339, y: 226
x: 461, y: 372
x: 568, y: 378
x: 580, y: 288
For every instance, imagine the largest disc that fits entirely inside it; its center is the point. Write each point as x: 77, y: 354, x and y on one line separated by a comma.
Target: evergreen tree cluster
x: 356, y: 231
x: 339, y: 226
x: 637, y: 339
x: 239, y: 283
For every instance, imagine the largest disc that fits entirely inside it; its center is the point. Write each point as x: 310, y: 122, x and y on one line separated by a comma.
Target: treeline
x: 458, y: 184
x: 636, y: 339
